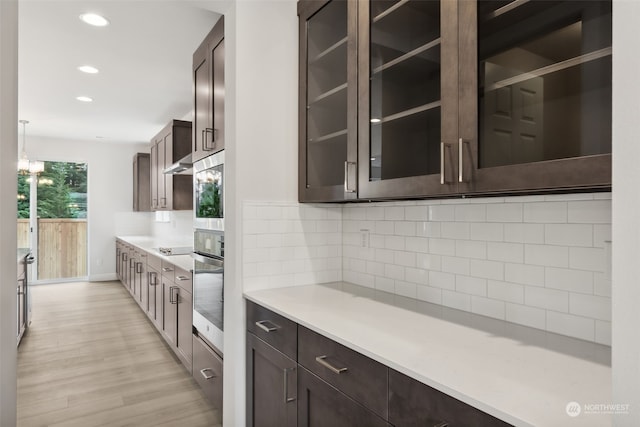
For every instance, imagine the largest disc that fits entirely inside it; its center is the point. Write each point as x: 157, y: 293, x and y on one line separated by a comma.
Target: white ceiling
x: 144, y: 57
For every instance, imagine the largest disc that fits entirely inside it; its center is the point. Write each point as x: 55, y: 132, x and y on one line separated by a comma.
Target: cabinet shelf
x: 390, y: 10
x: 409, y: 112
x: 329, y: 137
x: 328, y: 94
x: 409, y: 55
x: 333, y: 48
x: 572, y: 62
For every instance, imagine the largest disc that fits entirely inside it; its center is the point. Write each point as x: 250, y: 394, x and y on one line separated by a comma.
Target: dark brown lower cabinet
x: 413, y: 404
x: 322, y: 405
x: 271, y: 386
x: 207, y: 371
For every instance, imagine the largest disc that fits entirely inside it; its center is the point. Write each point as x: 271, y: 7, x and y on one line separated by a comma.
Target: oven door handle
x: 207, y: 260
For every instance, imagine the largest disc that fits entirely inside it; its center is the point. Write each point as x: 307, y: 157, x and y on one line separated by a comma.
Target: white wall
x: 8, y: 185
x: 261, y: 73
x: 626, y: 208
x: 110, y: 194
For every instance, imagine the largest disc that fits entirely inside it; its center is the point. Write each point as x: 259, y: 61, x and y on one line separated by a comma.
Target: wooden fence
x: 62, y: 247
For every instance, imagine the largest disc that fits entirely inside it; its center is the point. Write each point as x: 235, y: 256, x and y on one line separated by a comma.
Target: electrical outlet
x: 364, y: 238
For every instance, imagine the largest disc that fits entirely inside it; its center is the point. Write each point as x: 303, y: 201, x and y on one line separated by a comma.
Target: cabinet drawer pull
x: 460, y: 164
x: 441, y: 163
x: 347, y: 187
x: 261, y: 324
x: 287, y: 399
x: 182, y: 278
x: 203, y: 373
x: 167, y: 269
x: 322, y: 360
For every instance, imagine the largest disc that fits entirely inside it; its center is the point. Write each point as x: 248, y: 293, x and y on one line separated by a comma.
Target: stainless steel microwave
x: 208, y: 192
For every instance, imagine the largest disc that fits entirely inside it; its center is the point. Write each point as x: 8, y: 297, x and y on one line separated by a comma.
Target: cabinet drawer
x: 207, y: 371
x: 413, y: 404
x: 183, y: 279
x: 154, y: 262
x: 320, y: 404
x: 272, y: 328
x: 356, y: 375
x: 168, y: 270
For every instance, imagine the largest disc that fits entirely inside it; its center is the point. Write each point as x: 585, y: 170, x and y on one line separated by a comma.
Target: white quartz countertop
x: 150, y: 245
x: 521, y: 375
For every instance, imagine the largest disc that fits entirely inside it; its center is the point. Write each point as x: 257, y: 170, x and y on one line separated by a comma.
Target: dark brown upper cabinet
x: 141, y: 182
x: 171, y: 192
x: 208, y: 80
x: 327, y: 157
x: 454, y: 98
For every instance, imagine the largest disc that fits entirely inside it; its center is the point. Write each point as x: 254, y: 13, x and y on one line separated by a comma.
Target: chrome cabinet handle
x: 287, y: 399
x: 207, y: 377
x: 182, y: 278
x: 167, y: 269
x: 138, y: 267
x: 202, y: 139
x: 124, y: 257
x: 441, y: 163
x: 322, y: 360
x: 173, y: 300
x: 153, y: 275
x: 460, y: 164
x: 205, y: 145
x: 347, y: 187
x: 261, y: 325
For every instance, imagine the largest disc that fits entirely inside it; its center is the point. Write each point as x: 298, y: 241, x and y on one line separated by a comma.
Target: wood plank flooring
x: 91, y: 358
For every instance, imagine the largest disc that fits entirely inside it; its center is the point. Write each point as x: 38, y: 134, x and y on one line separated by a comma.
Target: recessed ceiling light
x: 375, y: 120
x: 84, y: 99
x: 88, y: 69
x: 94, y: 19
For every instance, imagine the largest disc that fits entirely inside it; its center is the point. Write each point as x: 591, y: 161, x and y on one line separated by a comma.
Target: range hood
x: 181, y: 167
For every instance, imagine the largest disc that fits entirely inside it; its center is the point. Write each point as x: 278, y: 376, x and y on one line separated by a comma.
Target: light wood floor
x: 91, y: 358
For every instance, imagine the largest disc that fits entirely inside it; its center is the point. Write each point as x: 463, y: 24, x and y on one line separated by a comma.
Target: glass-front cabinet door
x: 328, y: 100
x: 408, y: 98
x: 535, y: 95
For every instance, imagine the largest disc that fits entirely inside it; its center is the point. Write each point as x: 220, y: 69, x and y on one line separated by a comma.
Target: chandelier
x: 25, y: 166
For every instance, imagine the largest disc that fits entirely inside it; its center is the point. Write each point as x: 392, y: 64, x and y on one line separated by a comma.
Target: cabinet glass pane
x: 544, y: 80
x: 327, y: 95
x: 404, y: 88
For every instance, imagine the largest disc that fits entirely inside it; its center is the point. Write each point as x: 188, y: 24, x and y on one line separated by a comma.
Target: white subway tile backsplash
x: 538, y: 261
x: 569, y: 280
x: 442, y: 213
x: 568, y: 234
x: 442, y: 246
x: 488, y: 307
x: 592, y: 259
x: 455, y: 265
x: 508, y: 212
x: 549, y: 299
x: 592, y: 212
x: 505, y: 252
x: 524, y: 233
x: 428, y: 229
x: 429, y: 294
x: 525, y: 315
x: 471, y: 249
x: 590, y: 306
x: 487, y: 231
x: 442, y: 280
x: 417, y: 244
x: 455, y: 230
x: 547, y: 255
x: 456, y: 300
x: 545, y: 212
x: 532, y: 275
x: 603, y: 332
x: 471, y: 213
x: 487, y: 269
x: 416, y: 213
x: 505, y: 291
x: 394, y: 213
x: 471, y: 285
x: 574, y: 326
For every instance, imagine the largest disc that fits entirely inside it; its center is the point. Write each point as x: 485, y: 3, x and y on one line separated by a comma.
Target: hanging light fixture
x: 26, y: 167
